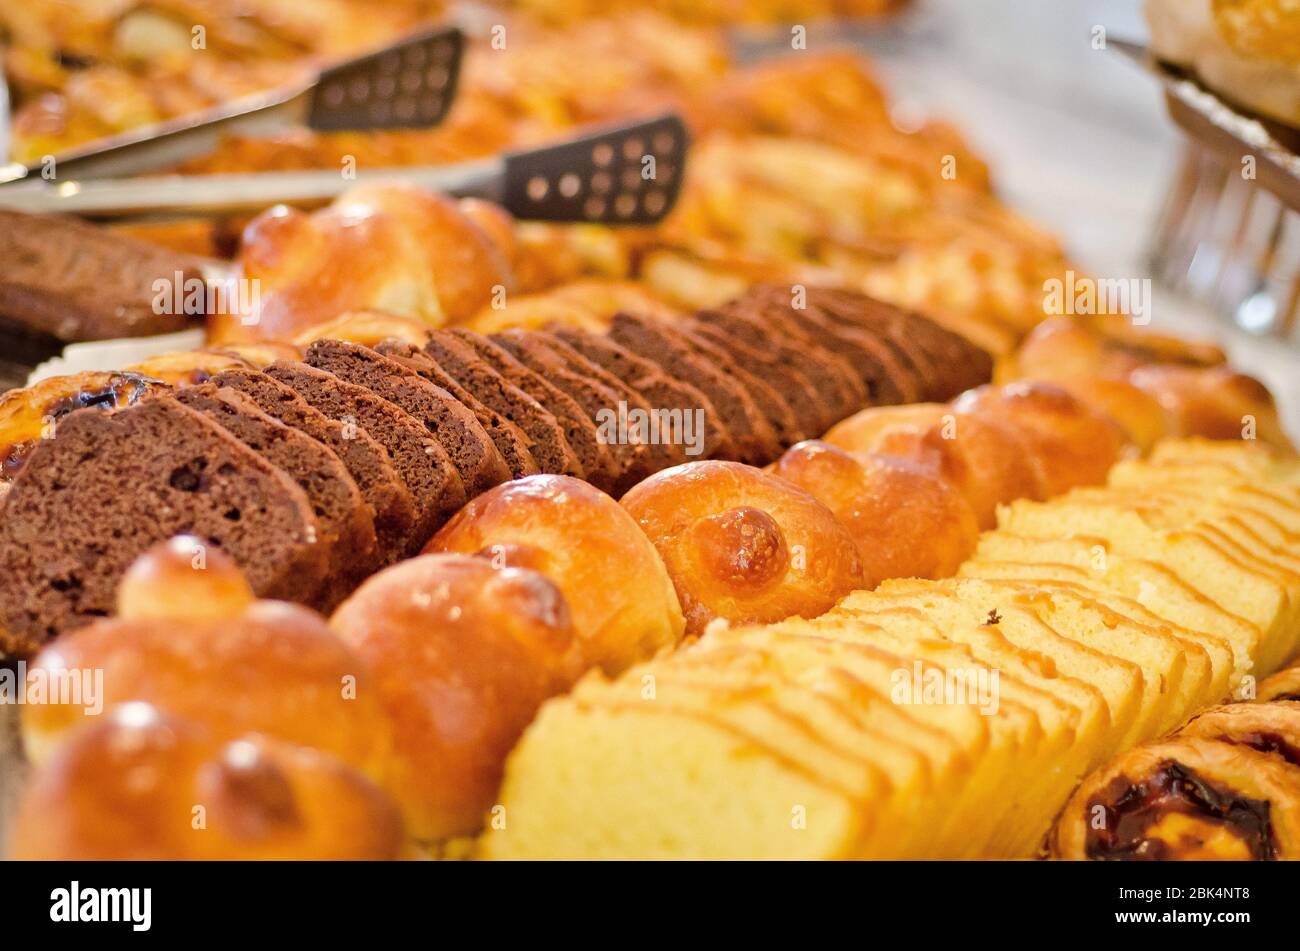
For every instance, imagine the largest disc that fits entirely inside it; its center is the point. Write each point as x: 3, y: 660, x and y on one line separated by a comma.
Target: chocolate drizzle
x: 1132, y: 809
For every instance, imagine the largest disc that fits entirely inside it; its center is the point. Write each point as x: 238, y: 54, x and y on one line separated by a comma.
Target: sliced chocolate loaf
x: 579, y: 429
x: 755, y: 441
x: 770, y: 402
x: 663, y: 391
x: 344, y: 526
x: 548, y: 444
x: 660, y: 454
x: 420, y: 460
x: 110, y: 485
x: 887, y: 374
x: 837, y: 391
x: 368, y: 462
x: 510, y: 440
x: 470, y: 448
x: 600, y: 403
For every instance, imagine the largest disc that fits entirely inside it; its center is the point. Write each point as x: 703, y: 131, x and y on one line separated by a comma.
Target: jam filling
x: 1268, y: 742
x: 1132, y: 809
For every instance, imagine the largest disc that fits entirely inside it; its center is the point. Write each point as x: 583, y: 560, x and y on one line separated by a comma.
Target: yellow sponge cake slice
x: 1219, y: 656
x: 1205, y: 560
x: 1154, y: 586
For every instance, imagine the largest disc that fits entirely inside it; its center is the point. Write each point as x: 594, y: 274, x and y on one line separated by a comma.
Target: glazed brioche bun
x: 865, y: 430
x: 1063, y: 348
x: 368, y: 328
x: 1072, y: 443
x: 1142, y: 417
x: 1214, y: 402
x: 142, y: 784
x: 744, y: 545
x: 462, y: 655
x: 190, y: 639
x: 622, y: 601
x: 985, y: 459
x: 388, y: 247
x: 907, y: 520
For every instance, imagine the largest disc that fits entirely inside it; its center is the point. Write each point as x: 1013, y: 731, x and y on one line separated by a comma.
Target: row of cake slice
x: 315, y: 473
x: 934, y: 719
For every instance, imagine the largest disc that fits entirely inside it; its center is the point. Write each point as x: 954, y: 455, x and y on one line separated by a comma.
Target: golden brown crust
x: 462, y: 655
x: 368, y: 328
x: 191, y: 642
x: 1072, y: 443
x: 141, y: 784
x: 743, y: 545
x: 623, y: 604
x: 1284, y: 685
x: 908, y: 521
x: 1214, y: 402
x: 189, y: 367
x: 1184, y: 798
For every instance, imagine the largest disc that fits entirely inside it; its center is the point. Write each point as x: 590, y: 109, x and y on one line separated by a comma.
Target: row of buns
x: 425, y: 677
x: 313, y: 473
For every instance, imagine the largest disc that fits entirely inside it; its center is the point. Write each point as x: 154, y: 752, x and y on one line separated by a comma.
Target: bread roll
x: 462, y: 655
x: 1214, y: 402
x: 743, y: 545
x: 141, y: 784
x: 864, y: 431
x: 622, y: 601
x: 907, y: 520
x: 190, y: 639
x: 1062, y: 348
x: 1144, y: 420
x: 387, y: 247
x: 1073, y: 443
x: 367, y: 327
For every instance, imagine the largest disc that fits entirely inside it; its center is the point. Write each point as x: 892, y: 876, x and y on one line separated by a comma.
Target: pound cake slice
x: 663, y: 391
x: 548, y: 444
x: 470, y: 449
x: 1155, y: 656
x: 1121, y: 682
x: 509, y: 439
x: 1205, y: 558
x: 435, y: 485
x: 110, y: 485
x: 385, y: 494
x: 344, y: 528
x: 1218, y: 652
x: 1154, y: 586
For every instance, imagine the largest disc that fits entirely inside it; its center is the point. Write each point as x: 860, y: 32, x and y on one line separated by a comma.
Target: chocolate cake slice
x: 671, y: 398
x: 470, y: 448
x: 368, y: 462
x: 770, y: 402
x: 755, y: 441
x: 510, y: 440
x: 659, y: 454
x: 345, y: 528
x: 600, y: 403
x: 548, y: 444
x: 110, y: 485
x: 579, y: 429
x: 434, y: 484
x: 888, y: 376
x: 836, y: 389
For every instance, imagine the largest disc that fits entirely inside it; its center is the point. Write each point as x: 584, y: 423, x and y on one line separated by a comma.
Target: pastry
x: 621, y: 598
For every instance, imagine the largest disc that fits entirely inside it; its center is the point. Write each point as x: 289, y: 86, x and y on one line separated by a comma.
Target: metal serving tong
x: 409, y: 84
x: 630, y: 174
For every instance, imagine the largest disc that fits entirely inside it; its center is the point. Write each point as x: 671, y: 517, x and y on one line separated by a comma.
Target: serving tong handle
x: 409, y: 84
x: 631, y: 174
